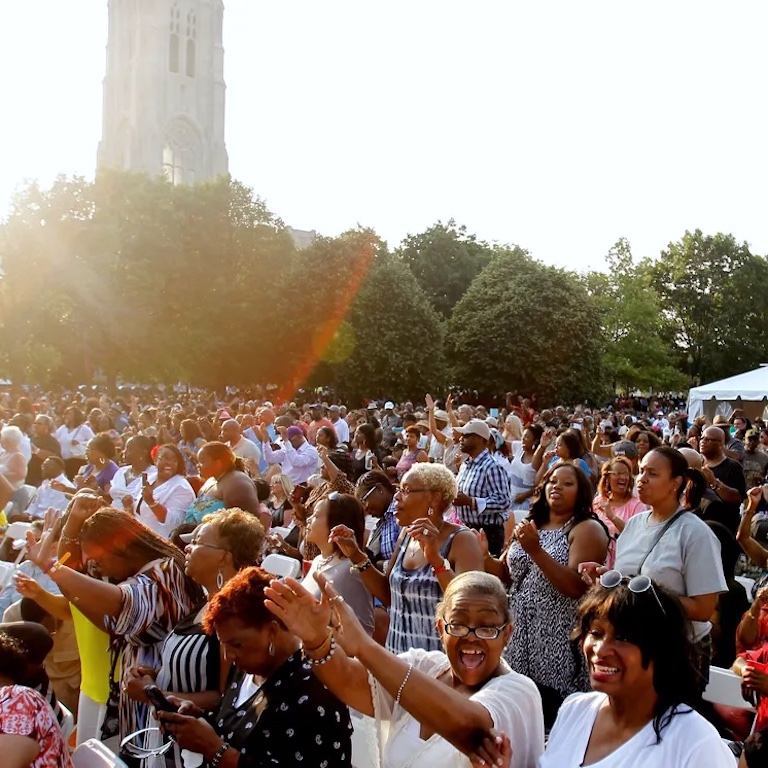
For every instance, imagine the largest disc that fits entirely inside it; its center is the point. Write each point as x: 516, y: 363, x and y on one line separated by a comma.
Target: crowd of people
x: 473, y: 583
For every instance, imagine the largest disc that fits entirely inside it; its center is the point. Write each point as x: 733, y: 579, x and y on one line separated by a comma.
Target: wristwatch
x: 442, y: 568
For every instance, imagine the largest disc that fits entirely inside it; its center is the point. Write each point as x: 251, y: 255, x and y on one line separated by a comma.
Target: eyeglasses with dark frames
x: 481, y: 633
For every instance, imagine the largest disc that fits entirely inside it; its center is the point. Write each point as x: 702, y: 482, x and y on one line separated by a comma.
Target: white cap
x: 475, y: 427
x: 389, y: 405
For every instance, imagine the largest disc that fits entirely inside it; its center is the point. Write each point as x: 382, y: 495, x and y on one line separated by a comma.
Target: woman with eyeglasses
x: 457, y: 706
x: 615, y: 502
x: 673, y: 547
x: 428, y: 553
x: 635, y: 639
x: 191, y: 661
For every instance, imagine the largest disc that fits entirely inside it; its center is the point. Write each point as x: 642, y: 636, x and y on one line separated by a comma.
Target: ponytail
x: 694, y: 486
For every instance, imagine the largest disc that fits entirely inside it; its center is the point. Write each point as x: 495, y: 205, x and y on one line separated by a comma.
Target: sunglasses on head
x: 636, y: 584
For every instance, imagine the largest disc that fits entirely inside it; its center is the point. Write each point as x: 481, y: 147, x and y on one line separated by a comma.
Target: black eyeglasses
x: 481, y: 633
x: 636, y: 584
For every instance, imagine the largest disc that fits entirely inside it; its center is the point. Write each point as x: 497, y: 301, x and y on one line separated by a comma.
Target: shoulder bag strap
x: 672, y: 520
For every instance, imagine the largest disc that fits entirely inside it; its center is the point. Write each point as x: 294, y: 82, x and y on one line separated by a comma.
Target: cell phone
x: 158, y: 700
x: 144, y: 479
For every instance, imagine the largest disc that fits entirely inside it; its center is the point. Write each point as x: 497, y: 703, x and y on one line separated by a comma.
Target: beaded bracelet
x: 362, y: 565
x: 327, y: 657
x: 402, y: 685
x: 217, y: 757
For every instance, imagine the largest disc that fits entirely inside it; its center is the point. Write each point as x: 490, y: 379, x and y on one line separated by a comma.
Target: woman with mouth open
x: 636, y: 643
x: 429, y: 706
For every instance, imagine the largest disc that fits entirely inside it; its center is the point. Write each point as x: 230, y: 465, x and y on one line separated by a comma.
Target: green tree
x: 714, y: 299
x: 444, y: 260
x: 529, y: 327
x: 635, y: 356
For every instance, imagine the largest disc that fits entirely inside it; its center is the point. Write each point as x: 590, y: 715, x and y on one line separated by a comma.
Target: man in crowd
x: 724, y: 476
x: 755, y: 461
x: 241, y: 446
x: 316, y: 413
x: 338, y: 423
x: 390, y: 421
x: 44, y: 445
x: 297, y: 457
x: 484, y: 496
x: 53, y: 486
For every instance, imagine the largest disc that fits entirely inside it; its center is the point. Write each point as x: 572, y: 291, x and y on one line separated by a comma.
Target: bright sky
x: 558, y: 126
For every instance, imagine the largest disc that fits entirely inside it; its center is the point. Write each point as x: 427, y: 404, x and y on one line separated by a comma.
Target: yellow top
x: 93, y: 646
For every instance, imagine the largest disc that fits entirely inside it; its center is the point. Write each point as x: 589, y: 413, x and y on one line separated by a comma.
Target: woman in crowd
x: 541, y: 568
x: 429, y: 707
x: 30, y: 737
x: 226, y: 484
x: 615, y: 502
x: 129, y: 480
x: 279, y: 502
x: 100, y: 469
x: 753, y: 628
x: 326, y: 437
x: 339, y: 510
x: 140, y: 594
x: 673, y: 547
x: 634, y: 636
x: 191, y: 661
x: 73, y: 436
x: 191, y: 442
x: 366, y: 455
x: 412, y: 453
x: 165, y: 501
x: 645, y: 440
x: 13, y: 463
x: 522, y: 471
x: 275, y: 712
x: 429, y: 552
x: 568, y: 448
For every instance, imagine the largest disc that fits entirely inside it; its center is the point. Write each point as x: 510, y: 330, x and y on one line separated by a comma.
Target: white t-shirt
x: 689, y: 741
x: 79, y: 435
x: 512, y: 700
x: 686, y: 560
x: 247, y: 449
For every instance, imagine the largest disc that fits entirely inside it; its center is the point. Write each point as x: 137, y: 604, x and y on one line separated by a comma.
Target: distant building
x: 164, y: 91
x: 302, y: 238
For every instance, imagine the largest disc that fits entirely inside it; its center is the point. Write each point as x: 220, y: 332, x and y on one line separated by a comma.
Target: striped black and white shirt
x: 488, y: 484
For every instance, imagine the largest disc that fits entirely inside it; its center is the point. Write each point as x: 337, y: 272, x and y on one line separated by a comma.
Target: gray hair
x: 437, y: 478
x: 13, y: 435
x: 476, y: 583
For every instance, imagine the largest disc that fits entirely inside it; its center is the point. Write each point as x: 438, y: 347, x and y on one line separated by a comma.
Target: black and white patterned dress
x: 540, y: 646
x: 292, y: 720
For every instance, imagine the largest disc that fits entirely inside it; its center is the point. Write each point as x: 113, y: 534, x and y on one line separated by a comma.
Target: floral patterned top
x: 24, y: 712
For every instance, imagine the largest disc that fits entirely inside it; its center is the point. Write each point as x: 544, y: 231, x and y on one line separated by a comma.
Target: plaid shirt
x: 488, y: 484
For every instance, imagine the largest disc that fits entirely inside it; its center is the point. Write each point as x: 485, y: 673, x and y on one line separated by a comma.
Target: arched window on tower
x: 174, y: 40
x: 191, y: 42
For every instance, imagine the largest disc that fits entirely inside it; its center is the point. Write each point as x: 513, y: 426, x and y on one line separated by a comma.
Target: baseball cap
x: 334, y: 408
x: 389, y: 405
x: 224, y: 416
x: 441, y: 415
x: 372, y: 406
x: 294, y: 432
x: 475, y: 427
x: 625, y: 448
x: 752, y: 434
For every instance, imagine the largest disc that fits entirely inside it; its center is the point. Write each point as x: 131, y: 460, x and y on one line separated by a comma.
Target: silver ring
x: 425, y: 531
x: 337, y: 598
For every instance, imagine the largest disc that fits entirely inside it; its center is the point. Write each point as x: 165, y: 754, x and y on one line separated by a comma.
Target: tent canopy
x: 748, y: 391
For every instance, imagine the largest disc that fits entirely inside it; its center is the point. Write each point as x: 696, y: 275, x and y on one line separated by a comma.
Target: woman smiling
x: 635, y: 640
x: 429, y: 707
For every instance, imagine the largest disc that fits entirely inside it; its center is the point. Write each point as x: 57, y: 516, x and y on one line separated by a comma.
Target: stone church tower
x: 164, y: 89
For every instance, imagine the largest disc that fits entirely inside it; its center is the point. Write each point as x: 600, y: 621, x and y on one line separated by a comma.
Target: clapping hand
x: 344, y: 538
x: 495, y: 749
x: 753, y: 499
x: 426, y: 534
x: 43, y: 553
x: 527, y: 536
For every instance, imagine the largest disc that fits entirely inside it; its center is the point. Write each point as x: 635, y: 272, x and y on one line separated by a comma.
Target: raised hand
x: 42, y: 553
x: 430, y: 402
x: 303, y: 615
x: 345, y: 539
x: 426, y: 534
x: 753, y: 499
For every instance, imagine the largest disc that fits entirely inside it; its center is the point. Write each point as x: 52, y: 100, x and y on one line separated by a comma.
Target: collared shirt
x: 298, y: 463
x: 384, y: 537
x: 48, y: 497
x: 488, y: 484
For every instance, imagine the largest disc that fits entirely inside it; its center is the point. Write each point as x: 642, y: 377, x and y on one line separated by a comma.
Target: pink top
x: 624, y: 512
x: 24, y: 712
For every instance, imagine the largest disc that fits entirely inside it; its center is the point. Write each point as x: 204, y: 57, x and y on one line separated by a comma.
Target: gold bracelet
x: 311, y: 652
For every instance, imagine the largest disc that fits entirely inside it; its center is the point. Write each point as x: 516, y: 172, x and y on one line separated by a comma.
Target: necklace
x: 325, y: 562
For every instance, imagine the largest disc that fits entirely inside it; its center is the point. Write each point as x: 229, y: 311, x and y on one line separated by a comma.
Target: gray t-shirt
x: 686, y: 560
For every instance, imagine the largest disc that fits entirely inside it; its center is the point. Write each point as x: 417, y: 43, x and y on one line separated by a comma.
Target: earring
x: 219, y: 579
x: 271, y: 648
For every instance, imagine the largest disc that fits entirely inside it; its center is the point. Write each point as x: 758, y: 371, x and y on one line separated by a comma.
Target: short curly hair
x: 437, y: 478
x: 241, y: 599
x: 242, y: 533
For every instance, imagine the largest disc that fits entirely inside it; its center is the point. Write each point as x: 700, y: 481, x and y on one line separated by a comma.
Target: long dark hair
x: 583, y: 508
x: 662, y: 637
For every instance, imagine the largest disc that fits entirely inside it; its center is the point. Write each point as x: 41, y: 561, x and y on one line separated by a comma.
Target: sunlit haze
x: 556, y: 126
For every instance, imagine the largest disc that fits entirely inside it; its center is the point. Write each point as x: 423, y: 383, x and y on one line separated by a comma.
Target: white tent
x: 748, y: 391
